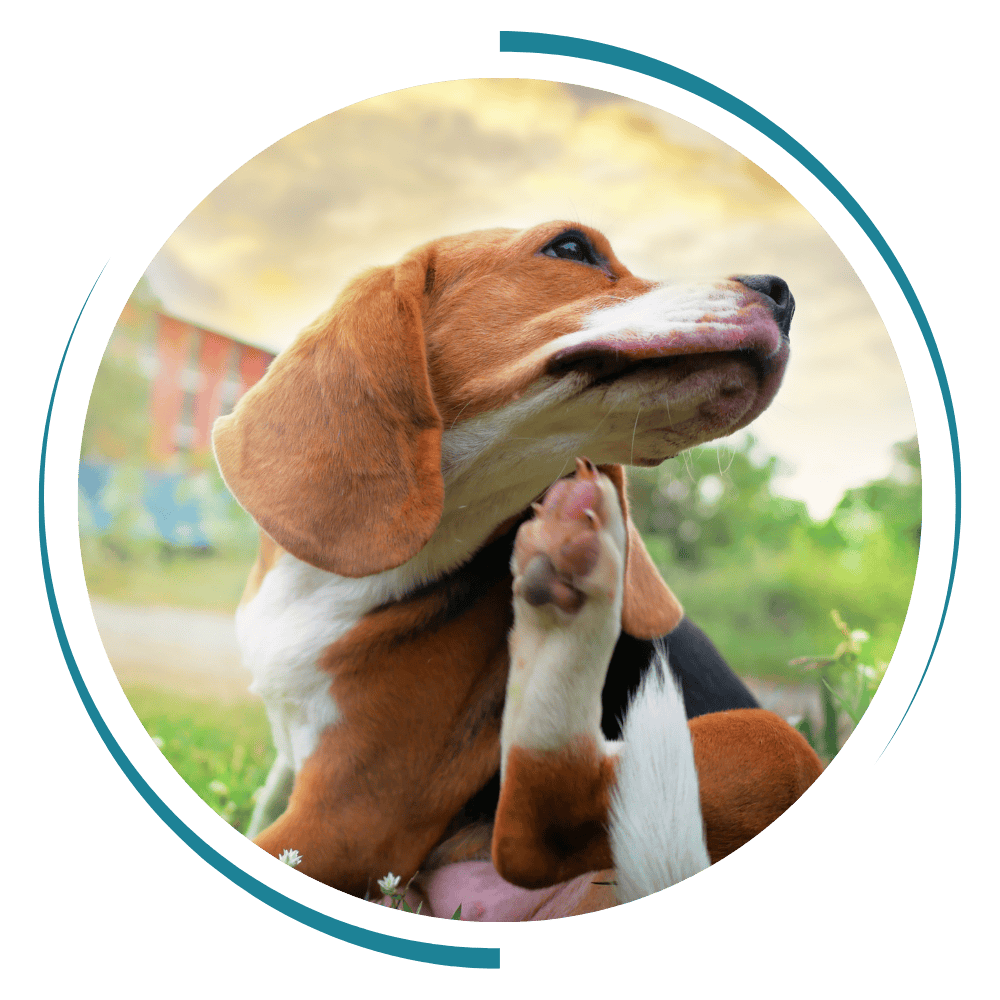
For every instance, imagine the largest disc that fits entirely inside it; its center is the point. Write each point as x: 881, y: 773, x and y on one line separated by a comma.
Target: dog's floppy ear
x: 649, y: 608
x: 336, y: 452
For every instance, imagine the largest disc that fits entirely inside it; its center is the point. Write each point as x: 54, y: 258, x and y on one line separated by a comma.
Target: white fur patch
x: 298, y: 612
x: 656, y: 829
x: 496, y: 463
x: 667, y: 307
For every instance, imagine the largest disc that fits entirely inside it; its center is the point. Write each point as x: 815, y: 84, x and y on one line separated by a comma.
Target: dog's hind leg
x: 668, y: 798
x: 559, y: 775
x: 558, y: 772
x: 557, y: 769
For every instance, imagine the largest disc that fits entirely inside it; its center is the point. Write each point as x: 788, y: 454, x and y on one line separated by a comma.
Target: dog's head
x: 439, y: 397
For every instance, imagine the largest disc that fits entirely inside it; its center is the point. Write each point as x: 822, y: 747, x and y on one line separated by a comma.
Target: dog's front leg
x: 416, y: 736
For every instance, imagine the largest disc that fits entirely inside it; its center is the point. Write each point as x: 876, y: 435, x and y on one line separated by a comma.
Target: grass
x: 776, y: 606
x: 222, y: 751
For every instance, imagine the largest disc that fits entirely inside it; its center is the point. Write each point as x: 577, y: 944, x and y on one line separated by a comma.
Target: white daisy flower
x: 389, y: 884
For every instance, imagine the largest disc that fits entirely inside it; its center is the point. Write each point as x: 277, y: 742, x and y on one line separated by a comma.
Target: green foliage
x: 222, y: 751
x: 709, y: 506
x: 758, y: 574
x: 846, y: 686
x: 890, y: 506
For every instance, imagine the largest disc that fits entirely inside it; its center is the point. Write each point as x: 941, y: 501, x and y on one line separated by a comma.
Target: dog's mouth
x: 688, y: 342
x: 724, y: 389
x: 603, y: 366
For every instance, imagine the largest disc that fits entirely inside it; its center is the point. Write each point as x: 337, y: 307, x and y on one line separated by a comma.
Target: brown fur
x: 363, y: 804
x: 355, y: 446
x: 551, y: 821
x: 751, y: 767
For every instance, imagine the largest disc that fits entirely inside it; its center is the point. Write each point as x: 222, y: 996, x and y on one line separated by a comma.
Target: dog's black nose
x: 777, y: 291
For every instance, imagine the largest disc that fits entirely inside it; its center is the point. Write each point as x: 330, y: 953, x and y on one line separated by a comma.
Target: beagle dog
x: 391, y: 457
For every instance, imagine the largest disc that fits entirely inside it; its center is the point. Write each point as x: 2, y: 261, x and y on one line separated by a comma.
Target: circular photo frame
x: 783, y: 523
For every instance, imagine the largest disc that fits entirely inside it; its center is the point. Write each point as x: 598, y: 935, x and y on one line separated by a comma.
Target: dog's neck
x: 458, y: 590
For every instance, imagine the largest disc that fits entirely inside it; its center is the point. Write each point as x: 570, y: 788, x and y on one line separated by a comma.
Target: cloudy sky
x: 271, y: 246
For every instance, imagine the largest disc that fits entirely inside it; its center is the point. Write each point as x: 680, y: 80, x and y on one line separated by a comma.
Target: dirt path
x: 191, y: 652
x: 195, y: 653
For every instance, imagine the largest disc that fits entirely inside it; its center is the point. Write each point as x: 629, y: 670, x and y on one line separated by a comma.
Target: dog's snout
x: 777, y: 291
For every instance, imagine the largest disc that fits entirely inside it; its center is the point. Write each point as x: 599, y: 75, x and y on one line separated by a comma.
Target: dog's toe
x: 540, y: 584
x: 557, y: 552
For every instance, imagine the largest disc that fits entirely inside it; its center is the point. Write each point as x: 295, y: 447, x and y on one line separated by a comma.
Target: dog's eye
x: 571, y: 248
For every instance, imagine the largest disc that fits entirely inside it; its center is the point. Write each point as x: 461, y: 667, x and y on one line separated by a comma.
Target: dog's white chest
x: 299, y: 612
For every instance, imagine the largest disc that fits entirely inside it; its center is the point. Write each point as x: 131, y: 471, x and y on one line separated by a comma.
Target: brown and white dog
x: 390, y: 456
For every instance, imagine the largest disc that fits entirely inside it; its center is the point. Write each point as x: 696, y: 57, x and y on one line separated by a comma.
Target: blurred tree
x: 758, y: 573
x: 117, y: 423
x: 710, y: 504
x: 892, y: 504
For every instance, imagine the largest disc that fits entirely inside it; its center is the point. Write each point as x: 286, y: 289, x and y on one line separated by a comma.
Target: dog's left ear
x: 649, y: 608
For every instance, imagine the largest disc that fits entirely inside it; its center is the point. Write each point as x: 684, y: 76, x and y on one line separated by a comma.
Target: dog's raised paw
x: 557, y: 554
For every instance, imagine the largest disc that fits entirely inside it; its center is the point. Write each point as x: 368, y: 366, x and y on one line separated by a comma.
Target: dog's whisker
x: 634, y: 428
x: 729, y: 464
x: 687, y: 465
x: 593, y: 433
x: 460, y: 412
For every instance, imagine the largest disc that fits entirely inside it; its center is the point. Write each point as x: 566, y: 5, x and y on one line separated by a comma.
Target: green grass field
x: 222, y: 751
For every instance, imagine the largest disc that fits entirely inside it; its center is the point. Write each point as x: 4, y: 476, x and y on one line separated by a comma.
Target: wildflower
x: 218, y: 787
x: 290, y: 858
x: 389, y: 884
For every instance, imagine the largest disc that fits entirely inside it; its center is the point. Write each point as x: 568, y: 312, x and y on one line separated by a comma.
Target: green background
x: 122, y: 120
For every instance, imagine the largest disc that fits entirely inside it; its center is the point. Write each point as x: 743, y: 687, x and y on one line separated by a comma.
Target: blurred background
x: 795, y: 542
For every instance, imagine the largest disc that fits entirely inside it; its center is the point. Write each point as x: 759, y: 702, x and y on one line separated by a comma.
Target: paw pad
x: 560, y: 547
